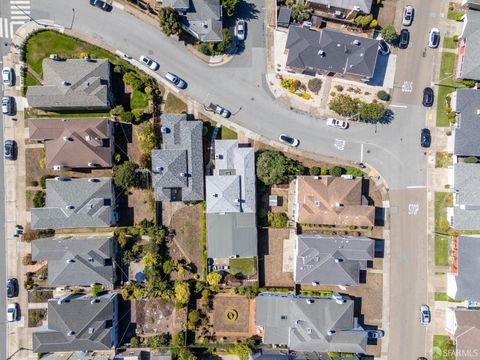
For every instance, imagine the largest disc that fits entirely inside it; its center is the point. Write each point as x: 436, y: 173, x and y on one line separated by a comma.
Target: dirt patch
x: 271, y: 256
x: 157, y: 316
x: 36, y: 317
x: 141, y: 203
x: 133, y: 148
x: 39, y: 296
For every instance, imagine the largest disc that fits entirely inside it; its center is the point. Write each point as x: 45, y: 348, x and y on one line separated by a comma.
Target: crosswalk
x: 19, y: 14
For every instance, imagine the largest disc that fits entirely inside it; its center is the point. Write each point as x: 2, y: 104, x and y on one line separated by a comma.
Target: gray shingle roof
x: 340, y: 55
x: 467, y: 186
x: 76, y: 262
x: 72, y: 84
x: 331, y: 260
x: 178, y: 165
x: 75, y: 203
x: 79, y: 324
x: 231, y: 234
x: 364, y: 6
x: 305, y: 326
x: 471, y: 34
x: 467, y: 278
x: 466, y: 102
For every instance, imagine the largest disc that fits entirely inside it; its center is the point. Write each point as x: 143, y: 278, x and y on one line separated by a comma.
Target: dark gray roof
x: 466, y: 102
x: 471, y: 35
x: 331, y: 260
x: 284, y: 16
x: 72, y: 84
x: 76, y: 262
x: 76, y: 203
x: 331, y: 51
x: 466, y: 213
x: 364, y: 6
x: 231, y: 234
x: 467, y: 278
x: 179, y: 162
x: 306, y: 324
x: 78, y: 323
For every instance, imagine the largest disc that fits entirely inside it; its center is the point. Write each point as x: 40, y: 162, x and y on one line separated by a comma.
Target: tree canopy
x: 170, y: 22
x: 214, y: 278
x: 389, y: 34
x: 124, y: 175
x: 229, y: 6
x: 182, y: 292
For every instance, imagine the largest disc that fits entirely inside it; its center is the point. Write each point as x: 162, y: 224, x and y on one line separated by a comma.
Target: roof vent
x: 65, y: 83
x: 67, y: 138
x: 310, y: 301
x: 90, y: 164
x: 69, y: 261
x: 88, y: 138
x: 338, y: 205
x: 93, y: 301
x: 158, y: 169
x: 164, y: 130
x: 309, y: 330
x: 63, y: 299
x: 69, y: 207
x: 321, y: 53
x: 314, y: 283
x: 58, y: 167
x: 59, y: 178
x: 317, y: 203
x: 93, y: 180
x: 356, y: 42
x: 71, y: 333
x: 90, y: 260
x: 215, y: 195
x: 90, y: 330
x: 218, y: 156
x: 63, y: 120
x: 331, y: 332
x: 338, y: 260
x: 478, y: 111
x: 237, y: 201
x: 316, y: 177
x: 182, y: 174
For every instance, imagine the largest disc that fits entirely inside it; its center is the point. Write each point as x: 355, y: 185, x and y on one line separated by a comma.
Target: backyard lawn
x: 441, y: 249
x: 139, y: 100
x: 443, y: 348
x: 245, y: 266
x: 173, y: 105
x: 443, y: 200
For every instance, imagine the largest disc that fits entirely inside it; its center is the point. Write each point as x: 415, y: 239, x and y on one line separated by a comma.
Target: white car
x: 12, y: 312
x: 407, y: 15
x: 222, y: 111
x: 434, y: 38
x: 289, y: 140
x: 425, y: 315
x: 240, y: 29
x: 149, y: 62
x: 6, y: 105
x: 7, y: 76
x: 339, y: 124
x: 175, y: 80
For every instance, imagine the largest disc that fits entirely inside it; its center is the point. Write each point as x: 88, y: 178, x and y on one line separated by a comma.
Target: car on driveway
x: 7, y: 76
x: 9, y: 149
x: 375, y: 334
x: 407, y: 15
x: 424, y: 309
x: 145, y: 60
x: 12, y: 312
x: 7, y: 105
x: 289, y: 140
x: 101, y: 5
x: 339, y: 124
x: 434, y: 38
x: 12, y: 287
x: 240, y: 29
x: 383, y: 47
x: 175, y: 80
x: 404, y: 39
x: 427, y: 97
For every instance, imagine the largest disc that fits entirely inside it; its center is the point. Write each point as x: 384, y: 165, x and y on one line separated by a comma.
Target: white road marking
x: 361, y: 153
x: 416, y: 187
x: 413, y: 209
x: 407, y: 86
x: 20, y: 2
x: 20, y: 17
x: 339, y: 144
x: 399, y: 106
x: 5, y: 34
x: 20, y: 12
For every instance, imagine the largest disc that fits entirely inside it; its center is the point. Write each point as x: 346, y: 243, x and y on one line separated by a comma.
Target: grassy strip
x: 455, y: 14
x: 441, y: 249
x: 204, y: 241
x: 441, y: 296
x: 139, y: 100
x: 449, y: 43
x: 227, y: 134
x: 173, y: 105
x: 442, y: 201
x: 443, y: 159
x: 34, y: 113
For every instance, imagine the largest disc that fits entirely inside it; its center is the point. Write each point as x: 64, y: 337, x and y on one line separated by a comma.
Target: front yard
x: 173, y: 105
x: 443, y: 200
x: 442, y: 243
x: 245, y: 266
x: 443, y: 348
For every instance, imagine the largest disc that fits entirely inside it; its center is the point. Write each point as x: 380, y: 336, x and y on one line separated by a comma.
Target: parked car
x: 12, y: 287
x: 289, y: 140
x: 101, y: 5
x: 375, y: 334
x: 149, y: 62
x: 220, y: 110
x: 424, y: 309
x: 175, y: 80
x: 7, y: 76
x: 383, y: 47
x: 7, y: 105
x: 422, y: 358
x: 425, y: 138
x: 9, y: 149
x: 434, y: 38
x: 339, y: 124
x: 240, y: 29
x: 427, y: 97
x: 404, y: 39
x: 407, y: 15
x: 12, y: 312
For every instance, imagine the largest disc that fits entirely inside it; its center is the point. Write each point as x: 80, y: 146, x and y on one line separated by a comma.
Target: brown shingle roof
x: 467, y: 333
x: 332, y: 200
x: 74, y: 142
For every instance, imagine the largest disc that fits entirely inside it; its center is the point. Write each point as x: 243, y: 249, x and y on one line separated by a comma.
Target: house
x: 200, y: 18
x: 309, y: 323
x: 464, y: 180
x: 76, y: 261
x: 73, y: 85
x: 468, y: 66
x: 177, y: 168
x: 284, y: 16
x: 330, y: 200
x: 471, y: 4
x: 342, y: 9
x: 75, y: 143
x: 463, y: 282
x: 79, y: 323
x: 330, y: 52
x: 331, y: 260
x: 463, y: 326
x: 466, y: 102
x: 231, y: 204
x: 76, y: 203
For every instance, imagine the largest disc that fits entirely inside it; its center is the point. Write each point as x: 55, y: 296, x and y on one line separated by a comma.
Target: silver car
x: 240, y: 29
x: 407, y: 15
x: 175, y: 80
x: 425, y: 315
x: 7, y: 76
x: 6, y: 105
x: 149, y: 62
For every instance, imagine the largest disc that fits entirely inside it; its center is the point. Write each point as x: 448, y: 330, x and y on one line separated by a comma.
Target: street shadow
x: 262, y: 251
x: 387, y: 118
x: 379, y: 216
x: 380, y: 71
x: 379, y: 248
x: 247, y: 11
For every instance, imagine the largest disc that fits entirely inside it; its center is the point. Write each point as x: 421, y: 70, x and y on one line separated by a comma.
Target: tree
x: 178, y: 339
x: 314, y: 85
x: 301, y: 12
x: 470, y: 160
x: 229, y: 6
x: 315, y: 171
x: 242, y: 351
x: 363, y: 20
x: 193, y: 319
x: 117, y: 110
x: 344, y: 105
x: 371, y: 111
x: 389, y: 34
x: 156, y: 342
x: 383, y: 95
x: 182, y: 292
x: 214, y: 278
x: 223, y: 46
x: 185, y: 354
x: 96, y: 290
x: 271, y: 167
x: 134, y: 342
x: 337, y: 171
x: 170, y: 21
x: 133, y: 80
x: 127, y: 116
x: 147, y: 137
x: 277, y: 220
x: 124, y: 175
x: 39, y: 199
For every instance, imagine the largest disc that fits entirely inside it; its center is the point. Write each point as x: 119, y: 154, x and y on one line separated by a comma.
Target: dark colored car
x: 12, y: 287
x: 404, y: 39
x: 425, y: 138
x: 427, y: 97
x: 375, y: 334
x: 101, y: 5
x: 9, y: 149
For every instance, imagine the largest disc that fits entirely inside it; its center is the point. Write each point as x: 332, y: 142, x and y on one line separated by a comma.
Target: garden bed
x: 36, y: 317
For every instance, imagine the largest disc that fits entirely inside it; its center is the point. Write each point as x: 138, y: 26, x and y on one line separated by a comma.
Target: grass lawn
x: 246, y: 266
x: 446, y: 69
x: 441, y: 249
x: 447, y: 85
x: 453, y: 14
x: 173, y: 105
x: 441, y: 296
x: 443, y: 348
x: 449, y: 43
x: 227, y: 134
x: 30, y: 80
x: 442, y: 118
x: 442, y: 201
x: 443, y: 159
x: 139, y: 100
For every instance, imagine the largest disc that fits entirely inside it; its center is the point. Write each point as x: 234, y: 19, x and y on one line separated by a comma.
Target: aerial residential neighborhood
x: 240, y: 179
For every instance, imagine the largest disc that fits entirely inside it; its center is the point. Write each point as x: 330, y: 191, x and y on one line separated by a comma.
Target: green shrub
x: 127, y: 116
x: 138, y: 114
x: 455, y: 38
x: 133, y: 80
x: 43, y: 181
x: 354, y: 171
x: 471, y: 160
x: 315, y: 171
x: 117, y: 110
x: 339, y: 88
x: 134, y: 342
x: 337, y: 171
x: 383, y: 95
x: 314, y: 85
x: 469, y: 83
x: 277, y: 220
x: 39, y: 199
x: 324, y: 172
